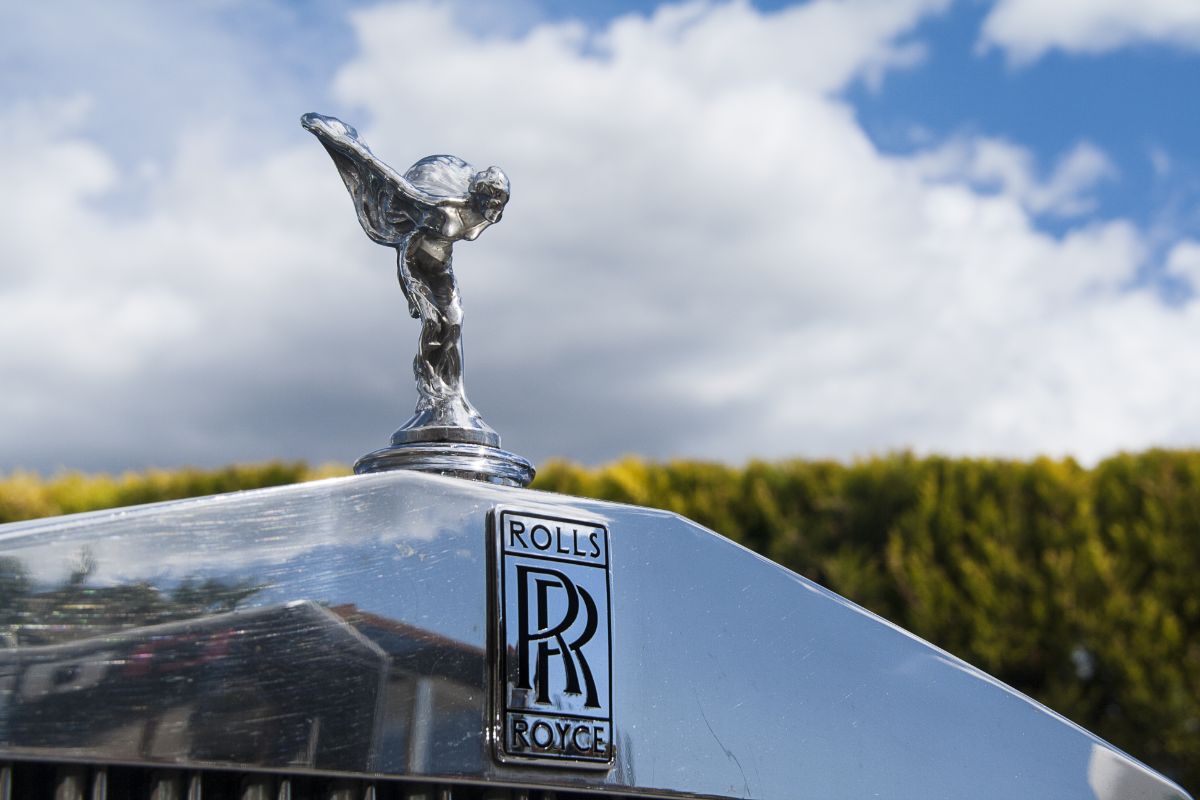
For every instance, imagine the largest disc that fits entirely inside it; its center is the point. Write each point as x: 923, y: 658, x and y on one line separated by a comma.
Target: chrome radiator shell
x: 341, y: 629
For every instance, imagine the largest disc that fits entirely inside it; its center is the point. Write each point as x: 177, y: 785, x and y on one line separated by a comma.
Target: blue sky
x: 822, y: 229
x: 1139, y: 104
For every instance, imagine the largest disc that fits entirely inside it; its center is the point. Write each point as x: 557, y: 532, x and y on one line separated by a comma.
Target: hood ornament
x: 440, y: 200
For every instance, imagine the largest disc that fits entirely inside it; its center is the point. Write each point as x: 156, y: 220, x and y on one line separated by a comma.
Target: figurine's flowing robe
x: 437, y: 202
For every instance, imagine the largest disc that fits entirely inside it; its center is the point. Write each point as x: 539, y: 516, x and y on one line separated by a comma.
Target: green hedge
x: 1080, y: 587
x: 24, y: 495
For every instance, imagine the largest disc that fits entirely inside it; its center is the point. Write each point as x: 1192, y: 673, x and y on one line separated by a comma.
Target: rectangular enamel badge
x: 553, y: 641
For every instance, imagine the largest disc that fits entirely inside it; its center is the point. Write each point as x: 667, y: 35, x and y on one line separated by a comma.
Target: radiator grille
x: 51, y: 781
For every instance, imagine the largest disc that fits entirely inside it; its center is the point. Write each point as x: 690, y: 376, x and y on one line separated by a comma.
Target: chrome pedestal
x: 457, y: 459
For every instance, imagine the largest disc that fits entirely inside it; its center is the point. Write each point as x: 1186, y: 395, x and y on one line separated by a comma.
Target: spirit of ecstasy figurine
x: 440, y: 200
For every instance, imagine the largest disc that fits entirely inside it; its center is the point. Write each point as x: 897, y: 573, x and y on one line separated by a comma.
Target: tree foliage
x: 1080, y: 587
x: 24, y: 495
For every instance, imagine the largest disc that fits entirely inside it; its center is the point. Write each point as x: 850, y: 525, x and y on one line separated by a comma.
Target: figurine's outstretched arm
x: 406, y: 283
x: 389, y: 207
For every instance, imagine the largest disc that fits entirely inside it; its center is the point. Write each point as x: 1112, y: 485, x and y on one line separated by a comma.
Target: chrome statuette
x: 440, y: 200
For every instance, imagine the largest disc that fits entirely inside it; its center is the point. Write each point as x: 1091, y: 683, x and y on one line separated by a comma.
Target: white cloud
x: 1160, y: 161
x: 1183, y: 261
x: 1027, y: 29
x: 990, y: 163
x: 704, y: 256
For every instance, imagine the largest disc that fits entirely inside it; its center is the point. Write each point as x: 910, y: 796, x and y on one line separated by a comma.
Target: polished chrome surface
x: 438, y: 201
x: 247, y: 631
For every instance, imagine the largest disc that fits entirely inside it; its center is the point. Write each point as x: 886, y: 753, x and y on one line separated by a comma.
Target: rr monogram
x: 548, y: 637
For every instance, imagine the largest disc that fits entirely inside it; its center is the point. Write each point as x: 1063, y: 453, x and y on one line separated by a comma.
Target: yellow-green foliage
x: 1080, y: 587
x: 24, y: 495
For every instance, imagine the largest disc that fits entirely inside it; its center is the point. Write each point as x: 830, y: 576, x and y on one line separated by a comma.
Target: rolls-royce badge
x: 552, y: 645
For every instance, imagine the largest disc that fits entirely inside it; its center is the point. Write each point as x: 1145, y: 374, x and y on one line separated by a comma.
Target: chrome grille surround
x: 342, y: 627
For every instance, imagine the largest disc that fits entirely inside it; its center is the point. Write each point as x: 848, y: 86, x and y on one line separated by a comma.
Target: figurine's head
x: 489, y: 193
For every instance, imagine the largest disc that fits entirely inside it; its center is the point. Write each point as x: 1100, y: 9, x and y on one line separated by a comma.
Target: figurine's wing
x: 389, y: 206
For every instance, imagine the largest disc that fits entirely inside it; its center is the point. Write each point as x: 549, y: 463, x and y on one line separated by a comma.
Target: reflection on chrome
x: 282, y: 685
x: 287, y: 685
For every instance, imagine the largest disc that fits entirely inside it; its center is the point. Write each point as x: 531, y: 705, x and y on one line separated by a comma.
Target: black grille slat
x: 32, y: 780
x: 70, y: 782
